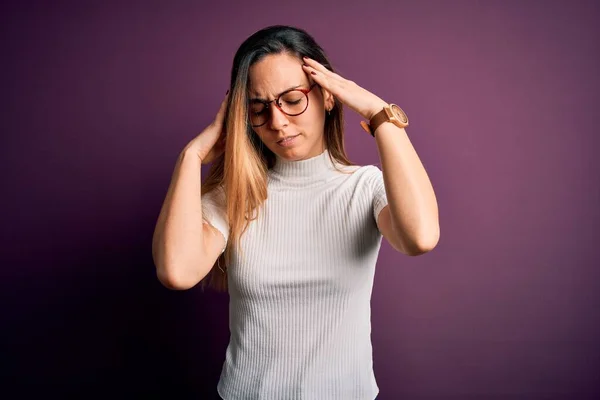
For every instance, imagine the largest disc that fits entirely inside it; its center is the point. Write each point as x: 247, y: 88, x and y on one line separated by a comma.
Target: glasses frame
x: 268, y: 103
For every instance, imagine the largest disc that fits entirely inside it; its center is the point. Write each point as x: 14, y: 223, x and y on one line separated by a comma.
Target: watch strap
x: 374, y: 123
x: 385, y: 115
x: 378, y: 119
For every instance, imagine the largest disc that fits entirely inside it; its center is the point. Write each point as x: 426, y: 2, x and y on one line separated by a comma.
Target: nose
x: 278, y: 118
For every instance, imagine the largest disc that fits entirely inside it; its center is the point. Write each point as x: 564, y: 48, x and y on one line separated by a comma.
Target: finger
x: 314, y: 71
x: 317, y: 66
x: 326, y: 82
x: 313, y: 63
x: 324, y: 78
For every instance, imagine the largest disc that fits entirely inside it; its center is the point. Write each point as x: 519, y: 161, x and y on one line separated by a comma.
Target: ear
x: 328, y: 99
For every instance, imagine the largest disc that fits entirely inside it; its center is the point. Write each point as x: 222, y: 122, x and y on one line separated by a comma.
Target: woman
x: 288, y: 225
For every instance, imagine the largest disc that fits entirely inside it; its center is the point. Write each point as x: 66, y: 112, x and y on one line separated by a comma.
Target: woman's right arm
x: 184, y: 249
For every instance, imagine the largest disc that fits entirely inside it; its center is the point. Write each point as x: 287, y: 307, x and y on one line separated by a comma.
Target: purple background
x: 98, y: 99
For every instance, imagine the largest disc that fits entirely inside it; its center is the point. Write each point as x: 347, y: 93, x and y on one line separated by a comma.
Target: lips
x: 287, y: 137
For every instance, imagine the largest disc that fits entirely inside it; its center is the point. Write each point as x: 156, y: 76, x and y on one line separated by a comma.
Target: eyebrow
x: 286, y: 90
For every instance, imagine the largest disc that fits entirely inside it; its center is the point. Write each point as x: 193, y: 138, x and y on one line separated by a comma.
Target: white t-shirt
x: 299, y: 310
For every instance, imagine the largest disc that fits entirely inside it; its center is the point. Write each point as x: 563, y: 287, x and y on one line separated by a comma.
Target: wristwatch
x: 391, y: 113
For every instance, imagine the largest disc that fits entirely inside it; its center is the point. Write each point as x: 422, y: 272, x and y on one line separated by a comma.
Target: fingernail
x: 227, y: 92
x: 313, y: 72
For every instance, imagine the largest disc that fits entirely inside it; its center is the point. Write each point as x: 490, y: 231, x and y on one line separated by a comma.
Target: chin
x: 294, y: 151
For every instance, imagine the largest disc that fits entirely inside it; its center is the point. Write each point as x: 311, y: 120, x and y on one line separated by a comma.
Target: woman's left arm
x: 410, y: 220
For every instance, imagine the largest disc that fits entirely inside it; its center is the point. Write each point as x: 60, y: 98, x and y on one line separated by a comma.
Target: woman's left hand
x: 348, y: 92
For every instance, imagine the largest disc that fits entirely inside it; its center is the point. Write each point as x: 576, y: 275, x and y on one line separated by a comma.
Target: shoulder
x: 363, y: 169
x: 363, y: 172
x: 371, y: 169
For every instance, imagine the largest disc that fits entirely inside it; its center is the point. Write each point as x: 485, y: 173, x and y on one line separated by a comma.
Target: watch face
x: 399, y: 113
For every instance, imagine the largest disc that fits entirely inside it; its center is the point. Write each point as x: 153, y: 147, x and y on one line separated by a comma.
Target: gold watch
x: 391, y: 113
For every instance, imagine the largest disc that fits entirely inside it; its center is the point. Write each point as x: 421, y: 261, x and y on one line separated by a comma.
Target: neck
x: 314, y: 168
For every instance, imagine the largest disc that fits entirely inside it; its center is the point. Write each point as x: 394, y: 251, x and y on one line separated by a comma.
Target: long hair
x: 241, y: 171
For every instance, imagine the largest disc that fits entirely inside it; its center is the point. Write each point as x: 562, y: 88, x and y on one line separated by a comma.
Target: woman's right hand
x: 210, y: 143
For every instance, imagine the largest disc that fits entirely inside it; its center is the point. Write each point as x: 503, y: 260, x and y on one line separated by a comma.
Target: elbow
x: 174, y: 280
x: 173, y: 274
x: 418, y: 251
x: 423, y: 245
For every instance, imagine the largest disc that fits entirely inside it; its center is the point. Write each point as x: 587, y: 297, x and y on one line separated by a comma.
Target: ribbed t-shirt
x: 299, y: 298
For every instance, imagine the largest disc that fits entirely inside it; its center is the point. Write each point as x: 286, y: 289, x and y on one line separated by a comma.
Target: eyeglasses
x: 293, y: 102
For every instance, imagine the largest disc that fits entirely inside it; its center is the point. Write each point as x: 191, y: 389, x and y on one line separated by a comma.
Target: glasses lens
x: 293, y: 102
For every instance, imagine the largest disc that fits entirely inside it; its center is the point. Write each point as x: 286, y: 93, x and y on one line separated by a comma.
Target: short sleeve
x: 214, y: 211
x: 379, y: 195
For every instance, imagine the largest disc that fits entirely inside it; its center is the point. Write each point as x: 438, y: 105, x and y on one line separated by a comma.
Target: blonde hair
x: 242, y: 169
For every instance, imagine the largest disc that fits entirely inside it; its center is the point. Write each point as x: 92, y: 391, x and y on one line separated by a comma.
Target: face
x: 272, y: 76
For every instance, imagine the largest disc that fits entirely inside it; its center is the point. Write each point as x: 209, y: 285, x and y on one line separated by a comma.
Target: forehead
x: 274, y: 74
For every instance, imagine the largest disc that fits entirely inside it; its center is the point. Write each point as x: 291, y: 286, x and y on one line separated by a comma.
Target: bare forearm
x: 177, y: 241
x: 411, y: 198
